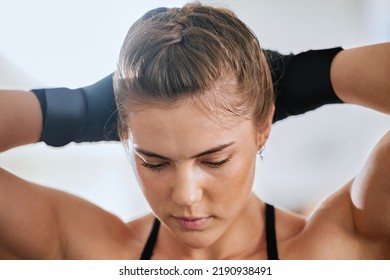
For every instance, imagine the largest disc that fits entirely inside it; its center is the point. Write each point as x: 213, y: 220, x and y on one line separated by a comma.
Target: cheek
x: 153, y: 185
x: 239, y: 179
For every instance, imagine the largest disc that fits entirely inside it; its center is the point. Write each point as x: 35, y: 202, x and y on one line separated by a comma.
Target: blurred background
x: 75, y: 43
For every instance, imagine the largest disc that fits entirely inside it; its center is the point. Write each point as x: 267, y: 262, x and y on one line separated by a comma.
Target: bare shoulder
x: 325, y: 230
x: 141, y: 227
x: 353, y: 222
x: 330, y: 233
x: 139, y: 230
x: 98, y: 234
x: 288, y: 224
x: 63, y: 226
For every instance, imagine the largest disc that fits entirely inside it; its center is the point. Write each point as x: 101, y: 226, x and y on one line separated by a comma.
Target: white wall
x: 73, y: 43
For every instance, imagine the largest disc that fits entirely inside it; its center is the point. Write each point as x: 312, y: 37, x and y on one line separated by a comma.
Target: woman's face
x: 196, y: 173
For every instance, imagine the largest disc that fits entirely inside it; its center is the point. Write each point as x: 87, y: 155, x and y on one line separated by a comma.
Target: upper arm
x: 361, y: 76
x: 28, y: 220
x: 370, y: 193
x: 21, y: 119
x: 43, y: 223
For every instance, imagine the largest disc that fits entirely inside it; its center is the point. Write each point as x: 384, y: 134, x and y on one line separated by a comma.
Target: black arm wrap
x: 80, y: 115
x: 88, y: 114
x: 302, y: 82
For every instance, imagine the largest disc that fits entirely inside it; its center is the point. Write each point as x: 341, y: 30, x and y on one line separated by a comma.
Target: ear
x: 264, y: 130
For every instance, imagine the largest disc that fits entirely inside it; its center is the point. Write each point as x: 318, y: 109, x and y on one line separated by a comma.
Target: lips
x: 192, y: 223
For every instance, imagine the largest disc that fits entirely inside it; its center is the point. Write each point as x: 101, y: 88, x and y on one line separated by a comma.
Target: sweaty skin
x: 353, y: 223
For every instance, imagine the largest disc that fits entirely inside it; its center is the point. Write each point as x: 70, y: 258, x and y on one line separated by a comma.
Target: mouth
x: 192, y: 223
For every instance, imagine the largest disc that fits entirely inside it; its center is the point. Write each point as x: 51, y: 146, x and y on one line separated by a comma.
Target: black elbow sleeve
x: 85, y: 114
x: 302, y: 82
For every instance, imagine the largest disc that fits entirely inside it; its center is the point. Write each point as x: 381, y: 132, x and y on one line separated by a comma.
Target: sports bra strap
x: 270, y: 232
x: 149, y: 246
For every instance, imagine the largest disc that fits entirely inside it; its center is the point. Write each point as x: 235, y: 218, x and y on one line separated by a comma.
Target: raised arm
x: 43, y: 223
x: 362, y: 76
x: 21, y: 208
x: 370, y: 196
x: 88, y: 114
x: 21, y: 119
x: 38, y: 222
x: 28, y: 220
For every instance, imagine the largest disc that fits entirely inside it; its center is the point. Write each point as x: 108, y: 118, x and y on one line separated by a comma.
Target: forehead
x: 183, y: 129
x: 221, y: 102
x: 183, y: 116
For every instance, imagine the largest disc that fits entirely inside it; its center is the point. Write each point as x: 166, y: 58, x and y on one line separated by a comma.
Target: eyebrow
x: 210, y: 151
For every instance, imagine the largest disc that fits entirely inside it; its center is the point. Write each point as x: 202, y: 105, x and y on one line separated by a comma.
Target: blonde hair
x: 171, y: 54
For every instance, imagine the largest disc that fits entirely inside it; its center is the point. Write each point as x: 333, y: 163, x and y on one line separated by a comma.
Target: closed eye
x: 154, y: 167
x: 217, y: 164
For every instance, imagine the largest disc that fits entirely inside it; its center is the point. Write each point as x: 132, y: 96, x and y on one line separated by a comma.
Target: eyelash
x: 218, y: 164
x: 160, y: 166
x: 153, y: 167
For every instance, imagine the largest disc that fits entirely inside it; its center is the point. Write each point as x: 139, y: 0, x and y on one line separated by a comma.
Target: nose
x: 187, y: 189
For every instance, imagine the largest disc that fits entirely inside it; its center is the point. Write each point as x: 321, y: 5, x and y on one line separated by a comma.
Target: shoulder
x: 139, y: 230
x: 141, y: 227
x: 288, y: 224
x: 331, y: 233
x: 370, y: 194
x: 91, y: 232
x: 322, y: 234
x: 109, y: 237
x: 353, y: 222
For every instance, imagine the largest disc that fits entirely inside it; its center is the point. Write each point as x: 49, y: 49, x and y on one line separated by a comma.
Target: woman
x: 193, y: 126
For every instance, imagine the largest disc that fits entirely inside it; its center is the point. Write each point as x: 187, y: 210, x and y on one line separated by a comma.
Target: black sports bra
x: 270, y: 235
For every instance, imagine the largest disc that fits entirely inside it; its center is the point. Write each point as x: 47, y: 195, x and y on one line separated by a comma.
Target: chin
x: 196, y: 239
